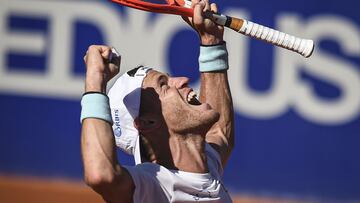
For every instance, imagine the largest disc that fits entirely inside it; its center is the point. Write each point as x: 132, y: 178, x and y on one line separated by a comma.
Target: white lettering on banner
x: 327, y: 67
x: 247, y: 101
x: 288, y: 90
x: 58, y: 81
x: 144, y: 42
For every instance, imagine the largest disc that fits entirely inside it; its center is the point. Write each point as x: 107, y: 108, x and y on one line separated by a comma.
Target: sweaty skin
x: 214, y: 88
x: 178, y: 128
x: 212, y: 122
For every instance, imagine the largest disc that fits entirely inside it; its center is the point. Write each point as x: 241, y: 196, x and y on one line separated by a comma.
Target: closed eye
x: 162, y: 83
x: 163, y: 80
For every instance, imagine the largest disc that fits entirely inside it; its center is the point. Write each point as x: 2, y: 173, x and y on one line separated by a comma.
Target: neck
x: 188, y: 153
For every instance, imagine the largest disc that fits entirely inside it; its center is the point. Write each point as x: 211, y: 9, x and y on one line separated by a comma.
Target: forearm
x: 215, y: 91
x: 97, y: 141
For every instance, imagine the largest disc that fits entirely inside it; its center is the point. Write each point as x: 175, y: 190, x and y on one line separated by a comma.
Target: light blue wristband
x: 213, y: 58
x: 95, y: 105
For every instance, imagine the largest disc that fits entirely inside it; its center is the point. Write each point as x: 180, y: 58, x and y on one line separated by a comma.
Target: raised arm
x: 214, y: 88
x: 102, y: 171
x: 216, y: 92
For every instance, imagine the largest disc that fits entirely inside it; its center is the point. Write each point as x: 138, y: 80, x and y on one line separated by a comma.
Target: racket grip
x: 304, y: 47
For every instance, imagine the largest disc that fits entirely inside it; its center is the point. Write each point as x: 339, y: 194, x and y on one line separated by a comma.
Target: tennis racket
x: 305, y: 47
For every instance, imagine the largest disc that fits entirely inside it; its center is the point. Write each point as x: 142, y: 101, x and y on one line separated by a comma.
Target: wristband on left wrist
x: 213, y: 58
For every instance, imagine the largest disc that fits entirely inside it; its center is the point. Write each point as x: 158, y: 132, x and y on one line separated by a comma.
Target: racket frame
x: 305, y: 47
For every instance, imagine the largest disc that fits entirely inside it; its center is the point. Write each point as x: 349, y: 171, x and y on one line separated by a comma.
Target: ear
x: 146, y: 124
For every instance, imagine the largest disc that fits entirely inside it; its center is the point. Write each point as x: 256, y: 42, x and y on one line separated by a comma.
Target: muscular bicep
x: 102, y: 171
x: 219, y: 140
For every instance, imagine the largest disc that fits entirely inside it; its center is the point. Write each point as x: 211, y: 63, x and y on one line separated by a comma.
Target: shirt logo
x: 117, y: 128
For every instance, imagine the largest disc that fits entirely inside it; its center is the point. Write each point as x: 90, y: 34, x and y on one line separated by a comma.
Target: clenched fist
x: 102, y: 64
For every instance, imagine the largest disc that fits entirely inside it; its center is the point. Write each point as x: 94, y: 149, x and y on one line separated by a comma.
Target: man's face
x: 182, y: 112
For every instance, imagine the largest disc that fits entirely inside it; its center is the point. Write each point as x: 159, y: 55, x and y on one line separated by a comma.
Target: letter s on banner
x: 287, y: 88
x: 331, y: 68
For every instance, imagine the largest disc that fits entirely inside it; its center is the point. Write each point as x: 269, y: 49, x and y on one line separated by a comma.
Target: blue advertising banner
x: 297, y: 119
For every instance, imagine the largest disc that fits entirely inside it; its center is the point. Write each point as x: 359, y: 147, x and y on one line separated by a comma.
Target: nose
x: 179, y: 82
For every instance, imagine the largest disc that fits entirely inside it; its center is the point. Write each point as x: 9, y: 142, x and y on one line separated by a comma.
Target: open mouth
x: 192, y: 98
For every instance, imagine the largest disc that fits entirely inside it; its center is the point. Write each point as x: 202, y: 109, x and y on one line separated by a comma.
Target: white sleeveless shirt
x: 157, y: 184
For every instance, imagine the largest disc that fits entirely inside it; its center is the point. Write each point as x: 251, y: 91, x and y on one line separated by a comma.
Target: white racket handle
x: 305, y: 47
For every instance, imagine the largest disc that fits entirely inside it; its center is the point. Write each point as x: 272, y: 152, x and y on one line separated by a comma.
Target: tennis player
x: 180, y: 143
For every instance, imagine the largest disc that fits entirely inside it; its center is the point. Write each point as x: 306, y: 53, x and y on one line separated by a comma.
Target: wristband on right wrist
x: 95, y: 105
x: 213, y: 58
